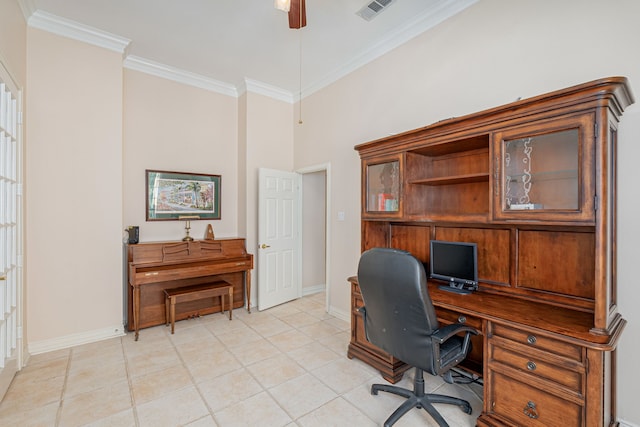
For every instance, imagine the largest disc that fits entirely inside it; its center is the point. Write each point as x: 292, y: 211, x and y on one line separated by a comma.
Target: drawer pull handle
x: 531, y: 411
x: 462, y: 319
x: 531, y: 339
x: 531, y: 366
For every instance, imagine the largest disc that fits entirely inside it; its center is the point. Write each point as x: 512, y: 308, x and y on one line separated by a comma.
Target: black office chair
x: 400, y: 319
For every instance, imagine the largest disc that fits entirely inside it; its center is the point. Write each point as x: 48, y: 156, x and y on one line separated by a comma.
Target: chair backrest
x: 399, y: 315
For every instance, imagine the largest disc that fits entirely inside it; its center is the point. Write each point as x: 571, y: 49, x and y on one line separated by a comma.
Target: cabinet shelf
x: 449, y: 180
x: 546, y: 176
x: 461, y: 145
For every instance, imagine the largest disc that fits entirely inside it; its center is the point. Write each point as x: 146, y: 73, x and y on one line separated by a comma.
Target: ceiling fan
x: 297, y: 12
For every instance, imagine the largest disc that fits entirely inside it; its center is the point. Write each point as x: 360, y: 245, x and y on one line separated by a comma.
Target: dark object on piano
x: 133, y: 234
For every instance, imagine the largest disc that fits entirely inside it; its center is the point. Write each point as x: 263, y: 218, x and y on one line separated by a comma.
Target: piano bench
x: 196, y: 292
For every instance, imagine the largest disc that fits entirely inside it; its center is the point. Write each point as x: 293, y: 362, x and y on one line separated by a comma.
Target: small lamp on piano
x: 187, y: 226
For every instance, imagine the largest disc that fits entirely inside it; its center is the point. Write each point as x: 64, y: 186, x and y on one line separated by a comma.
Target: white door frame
x: 324, y: 167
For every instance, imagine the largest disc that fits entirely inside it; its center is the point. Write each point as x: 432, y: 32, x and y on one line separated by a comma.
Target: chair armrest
x: 444, y: 333
x: 442, y: 336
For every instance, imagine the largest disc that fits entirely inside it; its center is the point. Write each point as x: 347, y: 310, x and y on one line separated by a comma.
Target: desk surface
x: 563, y: 323
x: 499, y: 308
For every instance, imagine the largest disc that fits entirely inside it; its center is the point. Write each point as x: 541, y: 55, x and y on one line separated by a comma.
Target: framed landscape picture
x: 177, y: 195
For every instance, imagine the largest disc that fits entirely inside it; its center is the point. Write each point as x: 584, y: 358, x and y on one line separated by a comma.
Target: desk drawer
x: 534, y: 365
x: 447, y: 316
x: 528, y: 406
x: 533, y: 340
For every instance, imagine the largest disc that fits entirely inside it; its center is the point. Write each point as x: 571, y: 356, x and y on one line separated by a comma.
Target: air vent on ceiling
x: 373, y: 9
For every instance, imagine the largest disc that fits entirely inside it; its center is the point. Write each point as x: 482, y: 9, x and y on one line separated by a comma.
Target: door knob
x: 264, y: 246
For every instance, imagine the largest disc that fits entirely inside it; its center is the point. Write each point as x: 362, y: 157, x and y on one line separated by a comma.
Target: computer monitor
x: 456, y: 263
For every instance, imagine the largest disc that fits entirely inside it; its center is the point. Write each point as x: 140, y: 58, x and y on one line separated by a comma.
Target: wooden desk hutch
x: 533, y: 184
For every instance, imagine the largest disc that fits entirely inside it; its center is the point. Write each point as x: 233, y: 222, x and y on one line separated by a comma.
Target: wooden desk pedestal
x: 154, y: 267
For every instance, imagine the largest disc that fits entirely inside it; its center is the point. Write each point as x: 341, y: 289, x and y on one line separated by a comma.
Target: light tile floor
x: 285, y: 366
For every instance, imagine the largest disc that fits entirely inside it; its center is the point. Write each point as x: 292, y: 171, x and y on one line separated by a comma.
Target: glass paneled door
x: 10, y: 229
x: 546, y: 171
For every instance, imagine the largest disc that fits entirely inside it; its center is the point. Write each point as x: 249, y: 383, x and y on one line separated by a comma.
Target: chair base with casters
x: 417, y: 398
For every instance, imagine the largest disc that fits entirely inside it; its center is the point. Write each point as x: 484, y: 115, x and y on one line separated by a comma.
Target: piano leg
x: 136, y: 309
x: 247, y: 288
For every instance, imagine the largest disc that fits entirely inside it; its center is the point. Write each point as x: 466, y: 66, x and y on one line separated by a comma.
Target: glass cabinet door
x: 541, y: 171
x: 382, y: 181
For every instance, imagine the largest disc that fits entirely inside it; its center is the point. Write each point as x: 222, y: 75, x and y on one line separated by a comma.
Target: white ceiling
x: 230, y: 41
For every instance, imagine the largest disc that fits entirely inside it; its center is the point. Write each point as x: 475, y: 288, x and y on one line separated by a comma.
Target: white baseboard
x: 626, y: 424
x: 310, y: 290
x: 342, y: 315
x: 72, y: 340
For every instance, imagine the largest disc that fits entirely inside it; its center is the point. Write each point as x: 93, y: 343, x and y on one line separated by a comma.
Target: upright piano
x: 156, y: 266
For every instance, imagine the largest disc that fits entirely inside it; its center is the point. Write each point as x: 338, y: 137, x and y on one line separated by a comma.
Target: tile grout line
x: 64, y: 388
x: 268, y: 390
x: 195, y: 384
x: 250, y: 373
x: 306, y: 370
x: 134, y: 407
x: 192, y: 379
x: 332, y: 339
x: 283, y: 353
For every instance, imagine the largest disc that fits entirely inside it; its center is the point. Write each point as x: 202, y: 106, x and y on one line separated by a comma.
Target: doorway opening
x: 315, y: 221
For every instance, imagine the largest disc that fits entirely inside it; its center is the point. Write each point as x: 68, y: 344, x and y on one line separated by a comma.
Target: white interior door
x: 279, y: 240
x: 10, y: 230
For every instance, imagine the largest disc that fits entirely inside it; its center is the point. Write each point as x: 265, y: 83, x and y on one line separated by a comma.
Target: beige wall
x: 242, y: 165
x: 628, y: 238
x: 488, y: 55
x: 13, y: 40
x: 175, y: 127
x: 269, y: 144
x: 73, y: 189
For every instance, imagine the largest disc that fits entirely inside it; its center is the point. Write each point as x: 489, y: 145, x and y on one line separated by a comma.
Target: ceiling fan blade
x: 297, y: 14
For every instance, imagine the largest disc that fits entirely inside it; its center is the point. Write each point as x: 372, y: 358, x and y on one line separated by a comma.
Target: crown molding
x: 177, y: 75
x: 417, y: 26
x: 27, y: 7
x: 67, y: 28
x: 265, y: 89
x: 74, y: 30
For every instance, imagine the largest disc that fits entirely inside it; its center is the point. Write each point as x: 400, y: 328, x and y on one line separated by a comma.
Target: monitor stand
x: 454, y: 289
